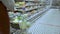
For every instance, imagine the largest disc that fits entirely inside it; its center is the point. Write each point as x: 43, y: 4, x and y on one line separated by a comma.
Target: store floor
x: 48, y: 24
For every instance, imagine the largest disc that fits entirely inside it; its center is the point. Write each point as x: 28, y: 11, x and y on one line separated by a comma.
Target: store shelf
x: 33, y: 8
x: 33, y: 0
x: 31, y: 4
x: 30, y: 11
x: 29, y: 8
x: 37, y: 15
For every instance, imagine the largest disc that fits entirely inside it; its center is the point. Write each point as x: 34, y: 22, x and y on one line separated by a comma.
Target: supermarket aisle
x: 48, y: 24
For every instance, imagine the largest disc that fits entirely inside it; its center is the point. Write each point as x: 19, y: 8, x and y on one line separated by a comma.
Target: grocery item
x: 24, y: 25
x: 33, y: 11
x: 20, y: 4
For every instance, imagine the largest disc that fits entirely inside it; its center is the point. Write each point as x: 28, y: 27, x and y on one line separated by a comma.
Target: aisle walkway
x: 48, y: 24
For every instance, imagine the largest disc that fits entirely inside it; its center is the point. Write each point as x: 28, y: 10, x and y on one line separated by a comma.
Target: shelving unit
x: 29, y: 11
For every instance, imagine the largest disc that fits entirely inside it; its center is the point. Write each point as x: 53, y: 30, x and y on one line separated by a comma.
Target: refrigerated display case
x: 26, y: 13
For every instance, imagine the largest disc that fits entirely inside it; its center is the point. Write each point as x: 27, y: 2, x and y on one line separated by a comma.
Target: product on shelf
x: 28, y: 7
x: 17, y: 19
x: 33, y: 11
x: 20, y: 4
x: 24, y: 25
